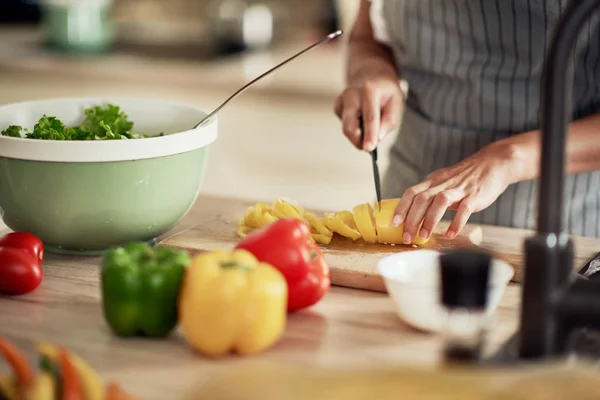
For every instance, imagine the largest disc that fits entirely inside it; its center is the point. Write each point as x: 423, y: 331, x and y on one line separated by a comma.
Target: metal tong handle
x: 326, y: 39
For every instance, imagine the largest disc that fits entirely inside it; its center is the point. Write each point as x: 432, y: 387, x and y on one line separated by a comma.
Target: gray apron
x: 473, y: 69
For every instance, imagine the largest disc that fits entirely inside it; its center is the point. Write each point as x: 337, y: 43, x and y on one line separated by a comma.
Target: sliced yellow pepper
x: 365, y: 222
x: 321, y: 239
x: 44, y: 388
x: 285, y: 209
x: 386, y: 232
x: 372, y: 224
x: 92, y: 384
x: 259, y: 215
x: 342, y: 223
x: 242, y: 229
x: 384, y: 213
x: 319, y: 232
x: 229, y: 301
x: 317, y: 225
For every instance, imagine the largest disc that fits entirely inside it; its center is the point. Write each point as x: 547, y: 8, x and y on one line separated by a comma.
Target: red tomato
x: 26, y: 242
x: 20, y: 272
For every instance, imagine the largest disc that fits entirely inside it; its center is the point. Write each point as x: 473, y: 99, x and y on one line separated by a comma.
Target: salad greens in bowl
x: 87, y: 174
x: 100, y: 122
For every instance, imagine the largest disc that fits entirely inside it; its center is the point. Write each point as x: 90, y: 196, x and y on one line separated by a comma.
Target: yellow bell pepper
x: 229, y: 301
x: 365, y: 222
x: 386, y: 232
x: 342, y: 223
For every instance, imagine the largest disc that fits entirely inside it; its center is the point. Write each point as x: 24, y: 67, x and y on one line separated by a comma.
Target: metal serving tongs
x: 326, y: 39
x: 374, y: 162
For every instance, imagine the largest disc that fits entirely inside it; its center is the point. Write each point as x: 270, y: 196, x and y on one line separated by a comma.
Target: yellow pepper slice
x: 384, y: 213
x: 317, y: 225
x: 365, y: 222
x: 298, y: 208
x: 386, y: 232
x: 242, y: 229
x: 91, y: 382
x: 249, y: 216
x: 44, y: 388
x: 342, y: 223
x: 285, y: 209
x: 229, y: 301
x: 322, y: 239
x: 259, y: 215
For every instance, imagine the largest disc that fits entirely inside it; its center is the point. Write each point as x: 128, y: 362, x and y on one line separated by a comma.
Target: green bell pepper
x: 140, y: 289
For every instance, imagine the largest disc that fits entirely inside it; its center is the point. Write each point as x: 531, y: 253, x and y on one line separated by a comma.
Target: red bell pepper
x: 287, y: 245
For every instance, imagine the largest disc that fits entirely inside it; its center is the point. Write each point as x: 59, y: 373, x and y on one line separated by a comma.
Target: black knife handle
x: 373, y: 154
x: 361, y: 126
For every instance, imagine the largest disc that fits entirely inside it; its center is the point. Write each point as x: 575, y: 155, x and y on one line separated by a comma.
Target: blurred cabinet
x: 304, y: 14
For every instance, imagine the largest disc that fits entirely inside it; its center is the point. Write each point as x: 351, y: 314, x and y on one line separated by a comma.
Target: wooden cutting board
x: 211, y: 224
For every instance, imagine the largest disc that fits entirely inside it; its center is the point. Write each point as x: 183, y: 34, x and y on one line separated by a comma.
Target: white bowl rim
x: 505, y: 275
x: 109, y: 150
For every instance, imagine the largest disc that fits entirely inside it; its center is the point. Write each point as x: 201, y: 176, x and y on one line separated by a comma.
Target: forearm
x: 582, y: 153
x: 366, y: 56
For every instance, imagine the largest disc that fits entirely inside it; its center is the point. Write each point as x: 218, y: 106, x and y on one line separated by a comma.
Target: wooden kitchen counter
x: 349, y: 328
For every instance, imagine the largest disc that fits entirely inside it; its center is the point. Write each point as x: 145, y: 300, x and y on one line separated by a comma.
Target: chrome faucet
x: 555, y: 301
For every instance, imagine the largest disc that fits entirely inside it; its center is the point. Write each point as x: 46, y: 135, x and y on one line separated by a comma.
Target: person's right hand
x: 379, y: 100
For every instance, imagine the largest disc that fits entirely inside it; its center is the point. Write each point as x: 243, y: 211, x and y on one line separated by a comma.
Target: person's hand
x: 467, y: 187
x: 379, y: 100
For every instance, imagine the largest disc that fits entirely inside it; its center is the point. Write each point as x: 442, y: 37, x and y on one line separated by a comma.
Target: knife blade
x: 374, y: 164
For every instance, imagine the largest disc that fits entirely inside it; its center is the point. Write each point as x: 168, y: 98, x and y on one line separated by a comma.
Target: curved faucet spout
x: 557, y: 88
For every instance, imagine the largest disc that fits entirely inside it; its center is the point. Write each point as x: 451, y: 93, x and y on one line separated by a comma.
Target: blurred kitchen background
x: 280, y: 138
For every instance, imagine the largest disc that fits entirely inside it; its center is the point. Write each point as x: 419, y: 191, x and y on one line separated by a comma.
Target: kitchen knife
x: 374, y: 162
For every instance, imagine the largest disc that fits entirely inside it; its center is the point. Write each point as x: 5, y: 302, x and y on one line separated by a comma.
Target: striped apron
x: 474, y: 69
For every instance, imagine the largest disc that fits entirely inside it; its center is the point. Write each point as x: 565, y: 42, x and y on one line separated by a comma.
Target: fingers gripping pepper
x: 288, y: 246
x: 140, y: 287
x: 232, y: 302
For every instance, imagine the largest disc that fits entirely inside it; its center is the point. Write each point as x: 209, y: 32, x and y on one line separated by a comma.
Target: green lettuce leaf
x: 99, y: 123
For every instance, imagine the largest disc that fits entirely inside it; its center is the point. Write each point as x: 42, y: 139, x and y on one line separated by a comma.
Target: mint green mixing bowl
x: 85, y: 197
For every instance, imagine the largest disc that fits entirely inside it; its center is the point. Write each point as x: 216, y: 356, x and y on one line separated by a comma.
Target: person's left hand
x: 469, y: 186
